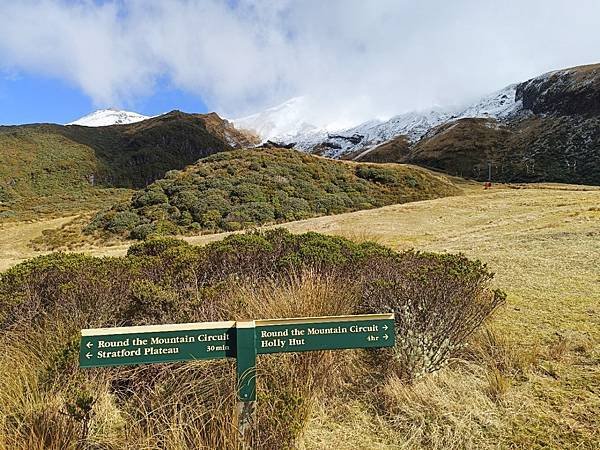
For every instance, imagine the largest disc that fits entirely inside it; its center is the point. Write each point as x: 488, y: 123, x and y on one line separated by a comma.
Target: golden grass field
x: 539, y: 384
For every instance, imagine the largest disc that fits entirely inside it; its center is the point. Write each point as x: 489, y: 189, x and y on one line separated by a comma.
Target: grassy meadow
x: 529, y: 378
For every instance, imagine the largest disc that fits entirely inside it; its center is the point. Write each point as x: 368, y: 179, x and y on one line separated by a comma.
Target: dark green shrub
x: 149, y: 196
x: 211, y: 219
x: 151, y: 303
x: 155, y: 247
x: 165, y: 228
x: 248, y: 193
x: 5, y: 195
x: 333, y: 203
x: 185, y: 200
x: 123, y: 221
x: 155, y: 212
x: 293, y: 208
x: 376, y: 174
x: 438, y: 301
x: 142, y: 231
x: 252, y: 213
x: 185, y: 219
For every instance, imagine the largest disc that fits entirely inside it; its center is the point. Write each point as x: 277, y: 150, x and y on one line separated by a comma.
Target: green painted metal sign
x: 105, y: 347
x: 156, y: 344
x: 324, y: 333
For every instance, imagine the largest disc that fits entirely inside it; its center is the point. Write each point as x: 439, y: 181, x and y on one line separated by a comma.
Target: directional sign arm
x: 108, y: 347
x: 324, y: 333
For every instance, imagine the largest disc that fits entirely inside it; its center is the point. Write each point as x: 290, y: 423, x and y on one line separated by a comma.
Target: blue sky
x: 34, y: 98
x: 355, y: 60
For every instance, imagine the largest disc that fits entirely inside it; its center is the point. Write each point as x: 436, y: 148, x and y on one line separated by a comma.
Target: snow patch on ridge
x: 498, y: 105
x: 105, y: 117
x: 282, y: 121
x: 288, y: 123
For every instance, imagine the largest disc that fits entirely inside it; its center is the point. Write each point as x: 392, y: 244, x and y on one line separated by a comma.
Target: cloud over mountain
x: 355, y: 60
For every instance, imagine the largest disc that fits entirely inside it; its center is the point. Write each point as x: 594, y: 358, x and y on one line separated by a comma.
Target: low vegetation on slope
x: 52, y: 167
x: 560, y: 149
x: 47, y: 402
x: 555, y: 137
x: 244, y: 188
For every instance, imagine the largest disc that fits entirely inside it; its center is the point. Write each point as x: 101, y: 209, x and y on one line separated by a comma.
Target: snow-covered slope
x: 104, y: 117
x: 501, y: 104
x: 282, y: 122
x: 287, y: 124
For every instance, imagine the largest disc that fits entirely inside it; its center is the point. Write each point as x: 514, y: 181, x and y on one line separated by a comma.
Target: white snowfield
x: 287, y: 123
x: 105, y: 117
x: 282, y: 121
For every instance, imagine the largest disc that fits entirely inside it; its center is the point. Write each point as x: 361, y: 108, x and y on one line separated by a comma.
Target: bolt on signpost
x: 243, y: 340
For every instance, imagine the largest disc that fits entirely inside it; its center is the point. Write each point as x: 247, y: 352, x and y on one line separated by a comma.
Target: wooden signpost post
x: 243, y: 340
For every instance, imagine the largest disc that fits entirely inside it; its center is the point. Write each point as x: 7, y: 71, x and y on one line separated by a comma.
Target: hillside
x: 68, y: 164
x: 553, y: 136
x: 244, y: 188
x: 543, y: 129
x: 530, y: 380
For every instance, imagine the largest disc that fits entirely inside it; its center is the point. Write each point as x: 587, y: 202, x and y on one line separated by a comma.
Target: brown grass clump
x: 187, y: 406
x: 49, y: 402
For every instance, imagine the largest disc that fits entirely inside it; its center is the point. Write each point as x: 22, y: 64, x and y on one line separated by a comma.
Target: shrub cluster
x: 240, y: 189
x: 438, y: 300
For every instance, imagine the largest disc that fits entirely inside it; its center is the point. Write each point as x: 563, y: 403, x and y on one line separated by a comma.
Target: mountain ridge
x: 344, y: 143
x: 109, y: 116
x: 542, y: 129
x: 39, y: 162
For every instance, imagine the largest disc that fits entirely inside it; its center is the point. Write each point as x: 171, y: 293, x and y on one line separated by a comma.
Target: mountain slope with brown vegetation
x: 48, y: 163
x: 555, y: 136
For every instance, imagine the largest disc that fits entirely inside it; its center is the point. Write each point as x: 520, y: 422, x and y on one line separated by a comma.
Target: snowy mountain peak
x: 287, y: 119
x: 105, y: 117
x: 293, y: 122
x: 500, y: 104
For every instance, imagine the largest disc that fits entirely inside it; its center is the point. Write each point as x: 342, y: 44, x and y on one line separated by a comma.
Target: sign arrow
x: 217, y: 339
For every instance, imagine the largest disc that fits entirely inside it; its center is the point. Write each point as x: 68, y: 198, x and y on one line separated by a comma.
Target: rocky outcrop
x: 568, y: 92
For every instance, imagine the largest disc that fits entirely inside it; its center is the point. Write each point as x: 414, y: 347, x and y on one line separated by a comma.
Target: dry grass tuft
x: 188, y: 405
x: 303, y: 294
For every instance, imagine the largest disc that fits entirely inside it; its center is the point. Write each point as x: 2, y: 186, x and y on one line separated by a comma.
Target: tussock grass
x: 542, y: 243
x: 51, y: 403
x: 188, y: 405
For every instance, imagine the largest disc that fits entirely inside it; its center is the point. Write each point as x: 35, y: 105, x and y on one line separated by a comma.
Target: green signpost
x: 324, y: 333
x: 156, y: 344
x: 243, y: 340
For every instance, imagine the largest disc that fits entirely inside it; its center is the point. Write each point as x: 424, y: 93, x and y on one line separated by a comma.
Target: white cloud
x: 355, y: 59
